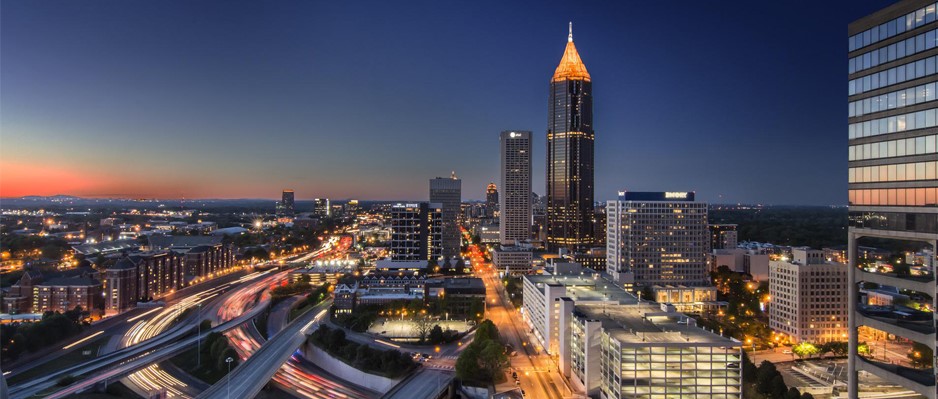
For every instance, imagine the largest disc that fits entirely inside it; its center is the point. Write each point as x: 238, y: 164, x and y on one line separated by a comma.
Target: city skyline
x: 120, y: 78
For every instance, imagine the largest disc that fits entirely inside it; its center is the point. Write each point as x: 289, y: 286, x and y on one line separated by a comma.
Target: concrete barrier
x: 346, y: 372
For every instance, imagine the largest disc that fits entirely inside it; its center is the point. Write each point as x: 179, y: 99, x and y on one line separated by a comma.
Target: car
x: 786, y: 351
x: 732, y: 365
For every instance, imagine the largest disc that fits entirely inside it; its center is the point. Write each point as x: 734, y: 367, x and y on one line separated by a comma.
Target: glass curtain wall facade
x: 570, y: 155
x: 892, y: 67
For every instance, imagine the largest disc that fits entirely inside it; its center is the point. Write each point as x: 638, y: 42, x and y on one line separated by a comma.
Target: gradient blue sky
x: 741, y: 102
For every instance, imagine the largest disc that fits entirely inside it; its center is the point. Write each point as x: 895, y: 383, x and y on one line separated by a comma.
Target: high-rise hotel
x: 893, y: 171
x: 570, y: 154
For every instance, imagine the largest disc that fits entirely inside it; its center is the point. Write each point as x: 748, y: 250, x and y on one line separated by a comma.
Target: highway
x: 154, y: 349
x: 247, y: 379
x: 424, y: 384
x: 153, y: 378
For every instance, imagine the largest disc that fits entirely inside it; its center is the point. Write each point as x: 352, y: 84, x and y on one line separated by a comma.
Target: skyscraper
x: 286, y: 205
x: 416, y: 231
x: 491, y: 200
x: 448, y: 193
x: 514, y: 218
x: 570, y: 154
x: 892, y: 171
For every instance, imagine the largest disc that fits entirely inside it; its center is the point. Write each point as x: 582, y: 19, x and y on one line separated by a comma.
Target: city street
x: 538, y: 374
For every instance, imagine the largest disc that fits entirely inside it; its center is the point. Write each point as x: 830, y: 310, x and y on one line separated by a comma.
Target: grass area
x: 296, y: 312
x: 187, y: 361
x: 67, y: 360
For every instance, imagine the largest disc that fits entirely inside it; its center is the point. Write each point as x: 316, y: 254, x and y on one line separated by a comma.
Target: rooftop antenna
x: 570, y: 36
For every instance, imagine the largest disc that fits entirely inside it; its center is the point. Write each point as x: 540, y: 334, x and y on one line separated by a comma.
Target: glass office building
x: 570, y: 155
x: 892, y: 154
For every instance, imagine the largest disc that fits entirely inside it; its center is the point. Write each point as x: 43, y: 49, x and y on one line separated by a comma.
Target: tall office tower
x: 448, y: 193
x: 570, y: 154
x: 287, y: 207
x: 321, y: 207
x: 659, y: 237
x: 491, y: 200
x: 416, y: 231
x: 722, y: 236
x: 514, y: 217
x: 893, y: 166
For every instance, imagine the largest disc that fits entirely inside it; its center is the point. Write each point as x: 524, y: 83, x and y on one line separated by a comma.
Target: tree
x: 920, y: 355
x: 804, y: 349
x: 467, y: 366
x: 492, y: 359
x: 436, y: 335
x: 864, y: 350
x: 779, y: 389
x: 486, y: 331
x: 764, y: 376
x: 749, y: 369
x: 422, y: 325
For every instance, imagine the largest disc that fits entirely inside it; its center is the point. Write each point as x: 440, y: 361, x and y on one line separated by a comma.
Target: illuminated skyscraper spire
x: 570, y: 154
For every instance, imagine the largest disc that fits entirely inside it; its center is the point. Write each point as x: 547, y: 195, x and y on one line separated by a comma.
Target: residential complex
x: 893, y: 171
x: 722, y: 236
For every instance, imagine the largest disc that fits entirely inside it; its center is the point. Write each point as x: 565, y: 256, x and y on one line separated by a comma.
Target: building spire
x: 571, y: 66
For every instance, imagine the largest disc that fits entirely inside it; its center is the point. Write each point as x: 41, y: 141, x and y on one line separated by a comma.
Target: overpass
x: 247, y: 379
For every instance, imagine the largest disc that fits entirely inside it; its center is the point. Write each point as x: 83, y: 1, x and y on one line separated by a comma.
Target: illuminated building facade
x: 808, y: 297
x: 416, y: 232
x: 892, y: 170
x: 448, y: 194
x: 514, y: 218
x: 286, y: 207
x: 491, y: 201
x: 570, y: 154
x: 647, y: 351
x: 723, y: 236
x: 659, y: 238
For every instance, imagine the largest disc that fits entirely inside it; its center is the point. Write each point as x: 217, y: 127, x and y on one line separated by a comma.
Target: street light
x: 229, y: 360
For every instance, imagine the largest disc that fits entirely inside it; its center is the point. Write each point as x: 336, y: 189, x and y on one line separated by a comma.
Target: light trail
x: 83, y: 340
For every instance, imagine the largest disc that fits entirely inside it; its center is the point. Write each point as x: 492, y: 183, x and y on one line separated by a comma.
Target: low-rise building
x: 643, y: 350
x: 512, y: 260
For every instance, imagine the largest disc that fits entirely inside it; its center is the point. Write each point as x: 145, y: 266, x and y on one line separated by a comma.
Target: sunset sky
x: 178, y: 99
